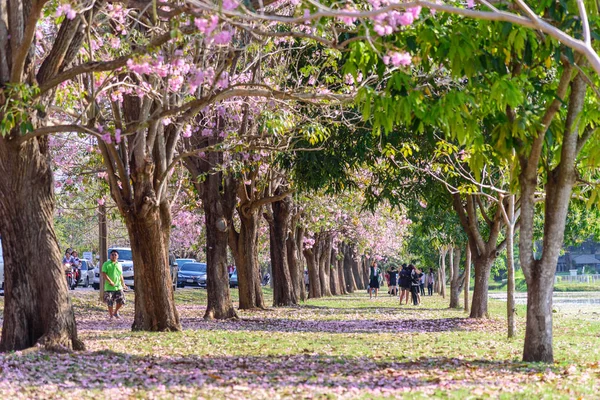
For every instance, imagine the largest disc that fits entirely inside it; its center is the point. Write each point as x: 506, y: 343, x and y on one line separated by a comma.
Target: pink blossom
x: 415, y: 11
x: 66, y: 10
x: 115, y: 43
x: 101, y: 201
x: 117, y: 135
x: 470, y: 3
x: 107, y: 138
x: 187, y: 131
x: 406, y: 18
x: 230, y: 4
x: 397, y: 58
x: 222, y: 38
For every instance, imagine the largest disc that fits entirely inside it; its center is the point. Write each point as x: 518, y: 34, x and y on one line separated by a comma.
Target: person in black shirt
x: 404, y: 283
x: 393, y: 281
x: 415, y: 281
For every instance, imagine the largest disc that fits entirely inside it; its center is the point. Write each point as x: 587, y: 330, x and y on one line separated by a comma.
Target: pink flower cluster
x: 66, y: 10
x: 397, y: 58
x: 390, y: 22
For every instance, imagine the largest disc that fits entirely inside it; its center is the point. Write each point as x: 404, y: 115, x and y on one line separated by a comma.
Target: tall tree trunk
x: 314, y: 282
x: 351, y: 286
x: 154, y: 299
x: 218, y: 194
x: 539, y: 274
x: 244, y: 248
x: 467, y: 277
x: 479, y: 304
x: 333, y: 274
x: 37, y: 308
x: 324, y: 266
x: 357, y: 270
x: 442, y: 272
x: 296, y: 274
x: 340, y: 270
x: 509, y: 216
x: 283, y: 290
x: 218, y: 208
x: 300, y: 259
x: 457, y: 280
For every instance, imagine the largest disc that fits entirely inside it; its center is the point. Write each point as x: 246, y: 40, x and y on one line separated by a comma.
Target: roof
x: 586, y: 259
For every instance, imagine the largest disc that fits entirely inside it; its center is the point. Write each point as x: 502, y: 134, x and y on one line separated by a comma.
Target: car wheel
x: 96, y: 286
x: 86, y: 282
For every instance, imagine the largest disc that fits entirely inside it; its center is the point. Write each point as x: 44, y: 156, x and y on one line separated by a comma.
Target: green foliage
x: 18, y: 106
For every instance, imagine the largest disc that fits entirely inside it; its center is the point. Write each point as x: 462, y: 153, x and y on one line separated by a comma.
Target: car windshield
x: 196, y: 267
x: 181, y: 261
x: 83, y: 264
x: 123, y: 254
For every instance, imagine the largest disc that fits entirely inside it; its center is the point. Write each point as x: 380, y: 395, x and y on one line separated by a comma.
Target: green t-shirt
x: 114, y: 272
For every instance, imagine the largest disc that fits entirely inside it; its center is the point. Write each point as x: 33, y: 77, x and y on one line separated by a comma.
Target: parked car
x: 87, y: 273
x: 192, y: 274
x: 233, y: 280
x: 126, y: 260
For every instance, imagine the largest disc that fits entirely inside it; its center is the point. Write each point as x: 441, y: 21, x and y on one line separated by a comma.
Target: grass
x: 337, y: 347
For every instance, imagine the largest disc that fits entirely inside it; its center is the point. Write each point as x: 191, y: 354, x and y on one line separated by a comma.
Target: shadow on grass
x: 108, y: 370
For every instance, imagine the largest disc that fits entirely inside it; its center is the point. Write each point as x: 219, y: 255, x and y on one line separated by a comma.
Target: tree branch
x: 24, y: 46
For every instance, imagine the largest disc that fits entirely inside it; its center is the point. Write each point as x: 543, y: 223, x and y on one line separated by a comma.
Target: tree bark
x: 457, y: 280
x: 296, y: 273
x: 154, y: 299
x: 314, y: 282
x: 479, y: 304
x: 244, y: 248
x: 509, y: 216
x: 37, y: 308
x: 333, y: 275
x: 467, y: 277
x: 357, y: 270
x: 324, y: 265
x: 283, y: 289
x: 217, y: 192
x: 442, y: 272
x: 348, y: 269
x: 340, y: 270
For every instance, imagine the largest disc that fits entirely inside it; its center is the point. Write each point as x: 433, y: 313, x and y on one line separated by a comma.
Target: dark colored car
x: 233, y: 280
x: 192, y: 274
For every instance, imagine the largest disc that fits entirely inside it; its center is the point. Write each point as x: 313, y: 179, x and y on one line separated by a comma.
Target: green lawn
x: 339, y: 347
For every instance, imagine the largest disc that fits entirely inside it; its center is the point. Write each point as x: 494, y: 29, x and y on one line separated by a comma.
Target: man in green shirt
x: 114, y: 284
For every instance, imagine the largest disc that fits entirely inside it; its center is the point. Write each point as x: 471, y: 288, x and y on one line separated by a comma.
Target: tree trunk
x: 324, y: 266
x: 154, y: 299
x: 333, y: 274
x: 456, y: 281
x: 340, y: 270
x: 296, y: 274
x: 283, y: 290
x: 348, y: 270
x: 357, y: 271
x: 244, y: 248
x: 510, y: 265
x: 217, y: 210
x: 442, y: 273
x: 218, y: 194
x: 37, y: 308
x: 467, y: 277
x: 300, y: 261
x: 314, y: 283
x: 479, y: 305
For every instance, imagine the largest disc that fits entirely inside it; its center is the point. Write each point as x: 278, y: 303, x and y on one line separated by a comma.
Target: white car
x: 87, y: 273
x: 126, y: 261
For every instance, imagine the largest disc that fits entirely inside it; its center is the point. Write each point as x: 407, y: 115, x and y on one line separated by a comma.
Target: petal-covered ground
x: 342, y: 347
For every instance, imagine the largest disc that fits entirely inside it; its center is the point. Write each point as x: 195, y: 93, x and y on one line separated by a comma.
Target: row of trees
x: 220, y: 87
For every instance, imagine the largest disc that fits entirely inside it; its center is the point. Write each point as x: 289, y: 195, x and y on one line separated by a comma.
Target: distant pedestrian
x: 429, y: 281
x: 422, y: 284
x: 393, y: 281
x: 374, y: 275
x: 415, y: 278
x: 114, y: 285
x: 404, y: 283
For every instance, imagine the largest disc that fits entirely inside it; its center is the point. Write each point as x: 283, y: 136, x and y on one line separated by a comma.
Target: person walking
x: 374, y: 273
x: 429, y: 281
x: 404, y: 283
x: 114, y: 285
x: 393, y: 281
x: 422, y: 284
x: 415, y: 278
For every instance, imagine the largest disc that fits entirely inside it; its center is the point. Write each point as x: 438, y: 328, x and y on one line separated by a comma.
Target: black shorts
x: 374, y: 284
x: 115, y: 296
